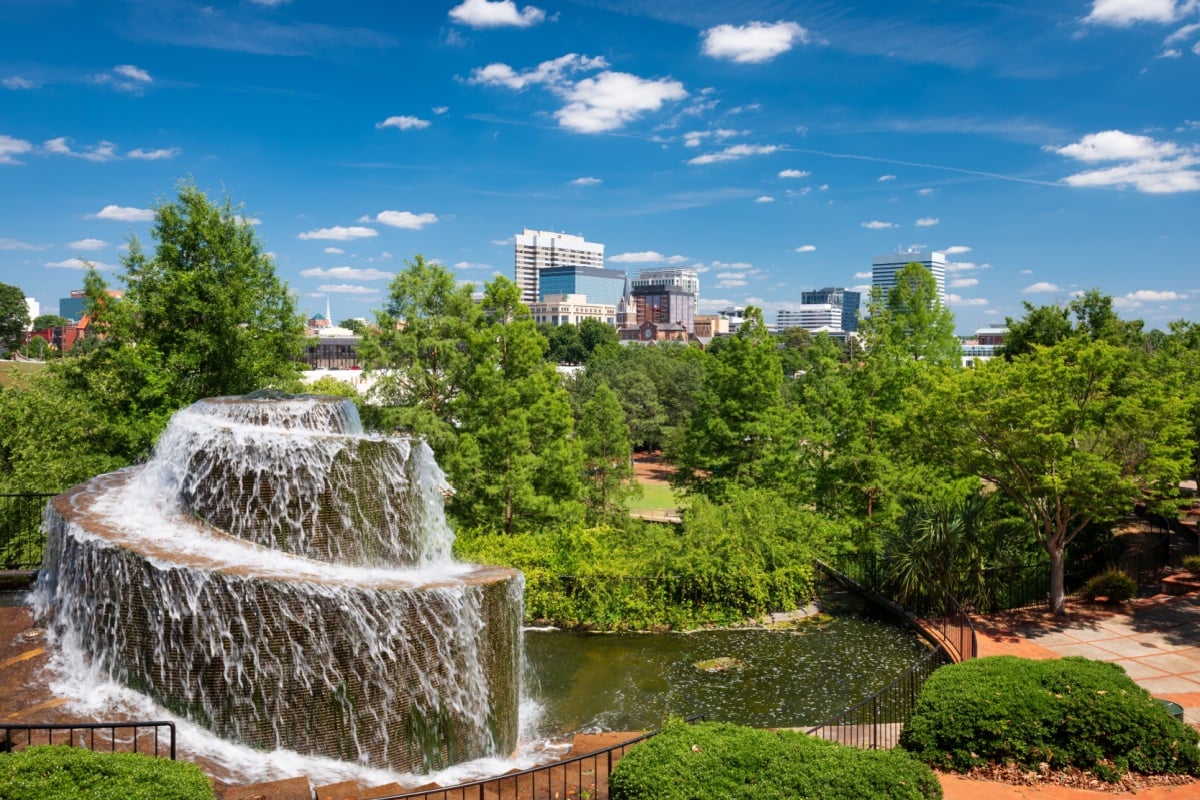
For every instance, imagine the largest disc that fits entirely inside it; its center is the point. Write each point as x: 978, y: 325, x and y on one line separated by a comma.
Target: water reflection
x: 599, y: 682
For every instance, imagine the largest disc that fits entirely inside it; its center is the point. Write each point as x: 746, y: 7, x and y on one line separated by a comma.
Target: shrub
x: 719, y: 760
x: 56, y: 772
x: 1192, y: 564
x: 1113, y: 585
x: 1064, y: 712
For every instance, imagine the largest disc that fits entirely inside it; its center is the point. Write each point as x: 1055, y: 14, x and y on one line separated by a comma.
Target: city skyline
x: 774, y: 146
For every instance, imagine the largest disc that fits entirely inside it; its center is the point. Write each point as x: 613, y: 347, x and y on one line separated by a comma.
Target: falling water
x: 284, y: 580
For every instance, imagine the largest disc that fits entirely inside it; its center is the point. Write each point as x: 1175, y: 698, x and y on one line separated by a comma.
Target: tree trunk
x: 1057, y: 569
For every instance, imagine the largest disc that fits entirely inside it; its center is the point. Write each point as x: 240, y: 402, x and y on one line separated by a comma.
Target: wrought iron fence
x: 155, y: 738
x: 21, y: 540
x: 876, y: 721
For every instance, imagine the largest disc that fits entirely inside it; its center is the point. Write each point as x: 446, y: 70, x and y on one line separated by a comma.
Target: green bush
x: 730, y: 762
x: 65, y: 773
x: 1192, y: 564
x: 1113, y: 585
x: 1064, y: 712
x: 721, y: 567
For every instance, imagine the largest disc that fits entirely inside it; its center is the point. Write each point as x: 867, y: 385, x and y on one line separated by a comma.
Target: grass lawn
x: 18, y: 371
x: 655, y: 497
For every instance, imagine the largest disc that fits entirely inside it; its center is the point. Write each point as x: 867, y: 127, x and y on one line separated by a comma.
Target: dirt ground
x: 650, y: 469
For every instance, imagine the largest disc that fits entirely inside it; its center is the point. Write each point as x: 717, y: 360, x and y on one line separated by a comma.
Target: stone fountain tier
x: 401, y: 669
x: 298, y: 475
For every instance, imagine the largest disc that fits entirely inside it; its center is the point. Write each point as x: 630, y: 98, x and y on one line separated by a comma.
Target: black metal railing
x: 21, y: 538
x: 584, y: 775
x: 875, y: 722
x: 155, y: 738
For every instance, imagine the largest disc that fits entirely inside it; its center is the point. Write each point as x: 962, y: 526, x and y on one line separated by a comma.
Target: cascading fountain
x: 285, y: 580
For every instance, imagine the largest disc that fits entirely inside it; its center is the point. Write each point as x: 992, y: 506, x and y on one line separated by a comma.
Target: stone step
x: 287, y: 789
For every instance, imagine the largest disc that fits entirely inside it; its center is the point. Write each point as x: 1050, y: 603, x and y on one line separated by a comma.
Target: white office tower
x: 539, y: 250
x: 885, y: 268
x: 812, y: 317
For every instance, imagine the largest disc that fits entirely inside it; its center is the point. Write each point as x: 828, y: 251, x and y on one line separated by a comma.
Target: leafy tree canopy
x: 14, y: 317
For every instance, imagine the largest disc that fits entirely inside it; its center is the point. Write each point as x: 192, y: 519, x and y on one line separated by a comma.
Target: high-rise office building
x: 844, y: 300
x: 812, y: 317
x: 665, y: 296
x: 885, y: 268
x: 540, y: 250
x: 604, y: 286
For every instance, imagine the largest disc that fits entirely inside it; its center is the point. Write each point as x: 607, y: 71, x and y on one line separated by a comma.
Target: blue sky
x: 1050, y: 146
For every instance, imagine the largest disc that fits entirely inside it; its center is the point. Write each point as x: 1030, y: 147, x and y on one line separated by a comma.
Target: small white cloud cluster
x: 603, y: 102
x: 1144, y: 296
x: 499, y: 14
x: 1123, y: 13
x: 404, y: 123
x: 125, y: 78
x: 734, y: 153
x: 402, y: 219
x: 1146, y: 164
x: 878, y: 225
x: 753, y: 43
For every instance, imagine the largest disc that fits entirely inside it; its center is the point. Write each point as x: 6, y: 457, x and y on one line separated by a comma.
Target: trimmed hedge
x: 1064, y: 712
x: 1192, y: 564
x: 720, y: 761
x: 1113, y: 585
x: 57, y: 772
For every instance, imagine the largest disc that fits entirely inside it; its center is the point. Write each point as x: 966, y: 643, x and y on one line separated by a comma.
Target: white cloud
x: 101, y: 152
x: 78, y: 263
x: 504, y: 242
x: 586, y: 181
x: 553, y: 73
x: 961, y: 266
x: 17, y: 244
x: 876, y: 225
x: 1026, y: 272
x: 401, y: 219
x: 88, y: 244
x: 154, y: 155
x: 1041, y: 286
x: 962, y: 283
x: 123, y: 214
x: 439, y: 110
x: 806, y: 248
x: 601, y: 103
x: 500, y: 14
x: 958, y: 300
x: 1122, y: 13
x: 16, y: 82
x: 1183, y: 33
x: 694, y: 138
x: 863, y: 276
x: 956, y: 249
x: 1116, y: 146
x: 471, y: 265
x: 641, y: 257
x: 1174, y: 52
x: 613, y: 99
x: 793, y: 173
x: 924, y: 192
x: 348, y: 273
x: 885, y: 178
x: 339, y: 233
x: 766, y: 198
x: 753, y: 43
x: 335, y: 251
x: 345, y: 288
x: 132, y: 73
x: 734, y: 153
x: 927, y: 222
x: 1143, y: 296
x: 1149, y: 166
x: 1196, y: 48
x: 403, y: 123
x: 270, y: 3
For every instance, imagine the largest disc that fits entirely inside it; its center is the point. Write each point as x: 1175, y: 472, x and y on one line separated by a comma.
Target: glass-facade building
x: 600, y: 286
x: 843, y: 299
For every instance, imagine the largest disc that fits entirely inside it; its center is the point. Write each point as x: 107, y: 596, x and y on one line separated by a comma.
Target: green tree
x: 417, y: 351
x: 1041, y: 325
x: 566, y: 347
x: 14, y: 317
x: 910, y: 321
x: 516, y: 462
x: 608, y: 469
x: 43, y: 321
x: 353, y: 324
x: 740, y: 432
x: 207, y: 303
x: 1073, y: 434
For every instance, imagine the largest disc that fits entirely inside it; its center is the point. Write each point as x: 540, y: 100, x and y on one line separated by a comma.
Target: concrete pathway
x: 1156, y: 640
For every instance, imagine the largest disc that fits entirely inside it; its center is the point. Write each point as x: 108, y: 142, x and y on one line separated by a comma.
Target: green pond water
x: 606, y: 682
